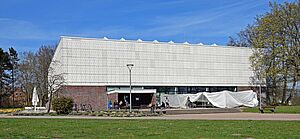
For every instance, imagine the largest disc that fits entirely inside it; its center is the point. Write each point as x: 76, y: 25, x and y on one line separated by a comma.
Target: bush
x: 62, y: 105
x: 296, y: 100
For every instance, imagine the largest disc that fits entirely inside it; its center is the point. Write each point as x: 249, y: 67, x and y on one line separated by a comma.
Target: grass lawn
x: 279, y: 109
x: 71, y: 128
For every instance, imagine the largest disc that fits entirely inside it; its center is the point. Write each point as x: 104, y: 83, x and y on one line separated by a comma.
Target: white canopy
x: 133, y: 91
x: 35, y: 97
x: 223, y: 99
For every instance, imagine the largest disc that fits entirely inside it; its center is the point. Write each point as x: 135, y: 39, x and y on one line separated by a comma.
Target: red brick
x: 87, y: 95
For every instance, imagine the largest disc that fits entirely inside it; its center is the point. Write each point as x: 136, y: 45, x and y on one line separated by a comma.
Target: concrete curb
x: 215, y: 116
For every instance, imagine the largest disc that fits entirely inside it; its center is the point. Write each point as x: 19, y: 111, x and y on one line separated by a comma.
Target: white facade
x: 97, y: 62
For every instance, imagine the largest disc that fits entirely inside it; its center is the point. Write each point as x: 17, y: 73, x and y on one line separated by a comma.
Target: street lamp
x: 130, y: 66
x: 259, y: 82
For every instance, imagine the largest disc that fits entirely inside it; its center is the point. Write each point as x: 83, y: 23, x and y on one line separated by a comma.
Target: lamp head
x: 130, y: 66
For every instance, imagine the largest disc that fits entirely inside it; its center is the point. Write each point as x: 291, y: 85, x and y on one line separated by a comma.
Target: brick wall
x: 113, y: 97
x: 87, y: 95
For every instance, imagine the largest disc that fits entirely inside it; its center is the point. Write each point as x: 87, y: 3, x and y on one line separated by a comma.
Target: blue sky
x: 28, y: 24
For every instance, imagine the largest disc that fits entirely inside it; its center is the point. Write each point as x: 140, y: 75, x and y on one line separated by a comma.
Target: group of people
x: 165, y: 103
x: 124, y: 104
x: 117, y: 105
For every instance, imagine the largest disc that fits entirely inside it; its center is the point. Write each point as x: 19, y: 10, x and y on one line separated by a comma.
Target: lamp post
x: 130, y: 66
x: 260, y: 96
x: 259, y: 81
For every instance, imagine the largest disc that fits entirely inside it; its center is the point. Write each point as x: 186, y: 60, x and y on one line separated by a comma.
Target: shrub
x: 296, y: 100
x: 62, y: 105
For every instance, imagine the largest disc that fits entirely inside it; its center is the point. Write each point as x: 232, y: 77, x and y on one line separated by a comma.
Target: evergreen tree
x: 13, y: 63
x: 4, y: 76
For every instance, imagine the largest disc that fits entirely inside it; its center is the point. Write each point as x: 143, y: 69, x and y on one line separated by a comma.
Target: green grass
x: 279, y: 109
x: 189, y: 129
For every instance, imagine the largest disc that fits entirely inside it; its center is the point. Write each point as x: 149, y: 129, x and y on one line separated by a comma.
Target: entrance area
x: 140, y: 98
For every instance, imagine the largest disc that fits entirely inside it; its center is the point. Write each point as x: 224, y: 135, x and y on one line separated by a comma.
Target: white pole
x: 130, y: 105
x: 260, y: 96
x: 129, y: 66
x: 34, y: 107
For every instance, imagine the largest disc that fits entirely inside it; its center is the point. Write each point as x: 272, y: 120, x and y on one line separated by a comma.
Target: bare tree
x: 55, y: 82
x: 26, y: 78
x: 33, y: 71
x: 244, y: 37
x: 43, y: 58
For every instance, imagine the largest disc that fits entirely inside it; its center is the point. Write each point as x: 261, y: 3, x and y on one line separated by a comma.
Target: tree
x: 43, y: 58
x: 291, y: 11
x: 13, y: 63
x: 245, y: 38
x: 33, y: 71
x: 275, y: 39
x: 26, y: 74
x: 55, y: 83
x: 4, y: 66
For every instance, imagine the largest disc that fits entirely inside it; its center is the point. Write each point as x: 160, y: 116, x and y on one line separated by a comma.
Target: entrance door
x: 142, y: 100
x: 139, y: 100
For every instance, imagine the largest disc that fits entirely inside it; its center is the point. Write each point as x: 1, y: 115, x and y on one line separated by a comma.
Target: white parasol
x: 35, y: 98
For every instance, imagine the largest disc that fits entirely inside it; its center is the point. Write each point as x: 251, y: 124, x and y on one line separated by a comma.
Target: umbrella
x: 35, y: 98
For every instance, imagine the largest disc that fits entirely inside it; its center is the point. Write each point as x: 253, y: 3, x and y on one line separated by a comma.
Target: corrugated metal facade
x: 101, y: 62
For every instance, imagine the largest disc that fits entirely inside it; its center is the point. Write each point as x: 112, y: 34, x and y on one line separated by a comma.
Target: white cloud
x: 197, y: 20
x: 21, y: 29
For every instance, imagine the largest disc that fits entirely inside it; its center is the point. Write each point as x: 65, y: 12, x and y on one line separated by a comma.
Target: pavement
x: 212, y: 116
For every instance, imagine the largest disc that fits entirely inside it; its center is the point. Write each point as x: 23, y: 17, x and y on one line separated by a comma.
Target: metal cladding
x: 96, y: 62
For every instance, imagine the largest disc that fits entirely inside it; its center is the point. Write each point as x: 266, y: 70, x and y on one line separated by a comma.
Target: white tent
x: 223, y: 99
x: 35, y: 98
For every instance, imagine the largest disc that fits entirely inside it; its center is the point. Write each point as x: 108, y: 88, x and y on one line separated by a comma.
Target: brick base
x: 89, y: 96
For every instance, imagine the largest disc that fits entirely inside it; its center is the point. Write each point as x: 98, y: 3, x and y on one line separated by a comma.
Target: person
x: 109, y: 104
x: 152, y: 107
x: 120, y: 104
x: 188, y: 102
x: 126, y: 104
x: 163, y: 105
x: 167, y: 101
x: 116, y: 104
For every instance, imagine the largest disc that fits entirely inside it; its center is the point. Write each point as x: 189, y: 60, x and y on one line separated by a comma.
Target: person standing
x: 110, y: 104
x: 167, y: 101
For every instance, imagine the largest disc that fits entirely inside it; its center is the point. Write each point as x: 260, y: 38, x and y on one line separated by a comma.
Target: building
x: 92, y: 67
x: 16, y: 99
x: 19, y: 97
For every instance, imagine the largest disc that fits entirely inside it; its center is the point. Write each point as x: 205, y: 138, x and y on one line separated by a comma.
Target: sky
x: 28, y: 24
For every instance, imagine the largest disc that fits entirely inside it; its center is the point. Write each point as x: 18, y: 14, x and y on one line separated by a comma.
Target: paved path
x: 215, y: 116
x: 237, y: 116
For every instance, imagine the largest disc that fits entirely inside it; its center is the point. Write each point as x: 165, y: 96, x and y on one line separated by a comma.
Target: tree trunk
x: 0, y: 100
x: 294, y: 89
x: 1, y: 96
x: 283, y: 99
x: 268, y: 95
x: 13, y: 88
x: 273, y: 90
x: 41, y: 102
x: 50, y: 101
